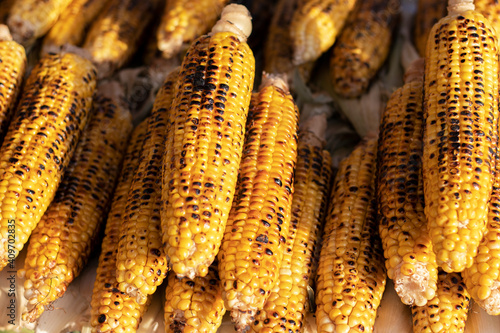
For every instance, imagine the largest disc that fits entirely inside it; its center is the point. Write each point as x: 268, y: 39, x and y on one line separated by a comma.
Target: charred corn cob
x: 491, y: 10
x: 315, y: 26
x: 447, y: 311
x: 194, y: 305
x: 71, y: 26
x: 429, y: 12
x: 460, y: 133
x: 185, y: 20
x: 286, y: 306
x: 351, y: 277
x: 205, y: 142
x: 30, y: 19
x: 5, y: 6
x: 53, y: 110
x: 111, y: 309
x: 12, y: 68
x: 362, y: 47
x: 61, y: 242
x: 141, y: 262
x: 482, y: 279
x: 409, y: 258
x: 114, y: 36
x: 257, y: 228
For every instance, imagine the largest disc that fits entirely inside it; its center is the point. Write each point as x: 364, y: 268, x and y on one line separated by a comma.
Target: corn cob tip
x: 414, y: 289
x: 236, y: 19
x: 415, y: 71
x: 22, y: 30
x: 242, y: 319
x: 277, y: 80
x: 313, y: 130
x: 491, y: 304
x: 456, y: 7
x: 5, y: 33
x: 114, y: 90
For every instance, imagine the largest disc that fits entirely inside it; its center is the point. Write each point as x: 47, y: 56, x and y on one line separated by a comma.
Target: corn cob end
x: 415, y: 288
x: 5, y: 33
x: 313, y: 130
x: 236, y: 19
x: 491, y: 304
x: 22, y: 30
x: 415, y: 71
x: 456, y: 7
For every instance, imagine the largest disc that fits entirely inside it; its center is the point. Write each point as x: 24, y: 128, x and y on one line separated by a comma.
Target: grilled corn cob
x: 460, y: 132
x: 351, y: 276
x: 409, y: 258
x: 70, y: 28
x: 111, y: 309
x: 362, y: 47
x: 286, y: 306
x: 53, y: 110
x: 315, y: 26
x: 114, y: 36
x: 30, y: 19
x: 429, y: 12
x: 185, y: 20
x: 205, y: 142
x: 60, y: 244
x: 447, y: 311
x: 12, y: 68
x: 491, y: 10
x: 141, y: 261
x: 194, y: 305
x: 257, y: 228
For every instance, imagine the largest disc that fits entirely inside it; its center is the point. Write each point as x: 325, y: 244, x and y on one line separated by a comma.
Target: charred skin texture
x: 12, y: 68
x: 115, y: 34
x: 61, y: 242
x: 460, y: 134
x: 447, y: 311
x: 429, y: 12
x: 315, y: 26
x: 30, y: 19
x: 363, y: 47
x: 288, y: 302
x: 254, y: 241
x: 112, y: 310
x: 53, y: 110
x: 351, y: 276
x: 409, y: 258
x: 183, y: 21
x: 71, y: 26
x: 205, y: 143
x: 194, y: 305
x: 141, y: 262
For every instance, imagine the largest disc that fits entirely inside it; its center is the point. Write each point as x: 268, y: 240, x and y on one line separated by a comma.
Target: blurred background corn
x: 183, y: 21
x: 491, y: 10
x: 54, y: 108
x: 5, y: 7
x: 194, y: 305
x: 460, y: 133
x: 111, y: 309
x: 71, y: 26
x: 429, y: 12
x: 351, y: 276
x: 363, y: 46
x: 141, y: 263
x: 205, y: 142
x: 288, y: 301
x: 447, y: 311
x: 409, y: 258
x: 30, y: 19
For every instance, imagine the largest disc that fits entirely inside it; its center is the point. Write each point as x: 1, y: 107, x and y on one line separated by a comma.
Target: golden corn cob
x: 53, y: 110
x: 315, y: 26
x: 482, y: 279
x: 61, y: 242
x: 287, y: 303
x: 5, y: 6
x: 351, y: 276
x: 194, y: 305
x: 71, y: 26
x: 141, y: 261
x: 185, y: 20
x: 30, y: 19
x: 491, y: 10
x: 111, y: 309
x: 429, y: 12
x: 460, y: 132
x: 362, y: 47
x: 447, y: 311
x: 205, y: 142
x: 409, y: 258
x: 115, y: 33
x: 12, y: 69
x: 257, y: 228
